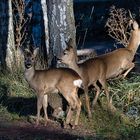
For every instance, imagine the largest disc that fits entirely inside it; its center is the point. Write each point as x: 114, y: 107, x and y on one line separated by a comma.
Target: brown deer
x: 91, y: 71
x: 103, y: 67
x: 62, y: 80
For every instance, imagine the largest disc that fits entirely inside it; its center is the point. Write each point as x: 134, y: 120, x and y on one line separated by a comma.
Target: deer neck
x: 75, y: 67
x: 29, y: 73
x: 133, y: 44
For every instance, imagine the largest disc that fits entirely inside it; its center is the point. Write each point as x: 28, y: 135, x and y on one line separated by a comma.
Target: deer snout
x: 60, y: 59
x: 28, y: 64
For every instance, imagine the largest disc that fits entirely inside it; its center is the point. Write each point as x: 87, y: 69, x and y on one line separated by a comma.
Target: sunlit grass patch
x: 14, y: 84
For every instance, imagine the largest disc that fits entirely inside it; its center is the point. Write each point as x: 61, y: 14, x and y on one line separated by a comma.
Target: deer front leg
x: 87, y: 102
x: 97, y: 94
x: 130, y: 67
x: 39, y: 106
x: 45, y: 105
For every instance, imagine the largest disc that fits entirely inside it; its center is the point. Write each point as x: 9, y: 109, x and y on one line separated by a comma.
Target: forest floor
x: 23, y: 130
x: 18, y: 108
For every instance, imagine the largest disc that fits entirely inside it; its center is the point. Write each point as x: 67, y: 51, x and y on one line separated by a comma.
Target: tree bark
x: 3, y: 31
x: 9, y: 56
x: 45, y: 18
x: 61, y: 25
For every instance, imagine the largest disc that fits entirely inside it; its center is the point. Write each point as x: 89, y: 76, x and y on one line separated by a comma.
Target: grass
x: 17, y: 102
x: 15, y: 95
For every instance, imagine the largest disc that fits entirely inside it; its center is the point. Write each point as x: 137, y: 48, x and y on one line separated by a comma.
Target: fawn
x: 62, y: 80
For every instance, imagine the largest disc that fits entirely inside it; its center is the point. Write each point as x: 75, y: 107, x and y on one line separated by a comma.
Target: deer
x: 53, y: 80
x: 103, y: 67
x: 91, y: 71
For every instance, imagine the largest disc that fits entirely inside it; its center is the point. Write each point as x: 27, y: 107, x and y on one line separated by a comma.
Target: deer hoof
x: 73, y: 127
x: 65, y: 126
x: 36, y: 125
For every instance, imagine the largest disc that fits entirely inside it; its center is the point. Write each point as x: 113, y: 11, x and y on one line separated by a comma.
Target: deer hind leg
x: 97, y: 94
x: 74, y: 103
x: 69, y: 114
x: 109, y: 102
x: 76, y: 106
x: 130, y: 67
x: 39, y: 106
x: 78, y: 111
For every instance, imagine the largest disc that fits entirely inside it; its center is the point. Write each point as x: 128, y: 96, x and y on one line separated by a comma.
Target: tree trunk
x: 45, y: 18
x: 9, y: 56
x: 10, y: 41
x: 3, y: 31
x: 61, y: 25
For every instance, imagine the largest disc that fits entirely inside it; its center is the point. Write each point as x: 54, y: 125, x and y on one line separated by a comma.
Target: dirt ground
x: 21, y: 130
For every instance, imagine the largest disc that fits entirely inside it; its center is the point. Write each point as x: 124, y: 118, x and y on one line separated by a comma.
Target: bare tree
x: 10, y: 43
x: 118, y: 25
x: 20, y: 21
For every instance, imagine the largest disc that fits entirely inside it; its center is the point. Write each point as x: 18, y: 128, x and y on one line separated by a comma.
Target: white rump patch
x: 78, y: 83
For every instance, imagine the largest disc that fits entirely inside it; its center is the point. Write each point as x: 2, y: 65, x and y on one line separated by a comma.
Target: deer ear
x: 70, y: 42
x: 135, y: 25
x: 35, y: 52
x: 67, y: 46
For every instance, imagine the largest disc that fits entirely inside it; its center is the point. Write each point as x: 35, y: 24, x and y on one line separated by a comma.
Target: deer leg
x: 78, y: 111
x: 103, y: 83
x: 130, y: 67
x: 39, y: 106
x: 97, y: 94
x: 45, y: 105
x: 77, y: 106
x: 109, y: 101
x: 87, y: 102
x: 70, y: 112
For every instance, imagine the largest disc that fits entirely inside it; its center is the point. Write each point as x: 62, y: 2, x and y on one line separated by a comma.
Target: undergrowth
x: 17, y: 102
x: 16, y: 98
x: 125, y: 96
x: 124, y: 123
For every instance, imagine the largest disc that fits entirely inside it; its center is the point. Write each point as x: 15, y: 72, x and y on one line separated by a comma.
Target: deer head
x: 136, y: 31
x: 29, y: 57
x: 69, y: 54
x: 135, y: 37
